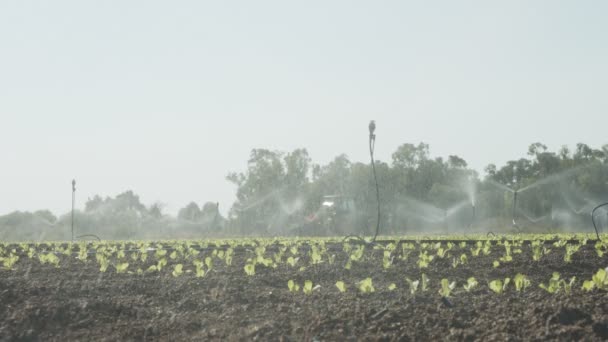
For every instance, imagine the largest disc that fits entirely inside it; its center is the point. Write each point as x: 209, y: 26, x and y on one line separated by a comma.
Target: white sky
x: 166, y: 97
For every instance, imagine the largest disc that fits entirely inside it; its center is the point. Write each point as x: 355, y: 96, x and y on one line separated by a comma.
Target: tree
x: 190, y: 212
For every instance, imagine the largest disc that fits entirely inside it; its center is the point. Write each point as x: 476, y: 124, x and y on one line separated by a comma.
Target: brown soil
x: 78, y: 302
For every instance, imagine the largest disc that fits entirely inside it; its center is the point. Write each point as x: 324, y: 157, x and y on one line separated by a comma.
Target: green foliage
x: 498, y: 286
x: 307, y: 287
x: 341, y: 286
x: 413, y: 284
x: 250, y: 269
x: 425, y: 282
x: 177, y: 270
x: 9, y: 261
x: 521, y: 282
x: 556, y: 284
x: 600, y: 279
x: 424, y: 259
x: 570, y: 250
x: 446, y: 287
x: 471, y: 284
x: 292, y: 286
x: 121, y: 267
x: 387, y: 260
x: 366, y: 285
x: 52, y: 259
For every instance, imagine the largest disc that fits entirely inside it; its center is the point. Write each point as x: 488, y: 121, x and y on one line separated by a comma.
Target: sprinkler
x: 73, y: 200
x: 593, y: 218
x: 372, y: 145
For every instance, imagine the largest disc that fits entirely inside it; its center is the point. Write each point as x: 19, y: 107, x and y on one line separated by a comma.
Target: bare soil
x: 78, y: 302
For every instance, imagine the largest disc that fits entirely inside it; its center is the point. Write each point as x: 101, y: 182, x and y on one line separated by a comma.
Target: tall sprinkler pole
x: 372, y: 145
x: 73, y: 200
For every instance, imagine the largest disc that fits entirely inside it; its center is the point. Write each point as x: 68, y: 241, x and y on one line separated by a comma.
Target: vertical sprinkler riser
x: 372, y: 145
x: 73, y: 200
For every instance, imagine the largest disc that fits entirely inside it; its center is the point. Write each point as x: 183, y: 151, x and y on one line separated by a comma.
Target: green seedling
x: 521, y: 282
x: 292, y: 286
x: 471, y: 284
x: 413, y: 284
x: 122, y: 267
x: 177, y: 270
x: 446, y: 287
x: 366, y: 285
x: 307, y: 287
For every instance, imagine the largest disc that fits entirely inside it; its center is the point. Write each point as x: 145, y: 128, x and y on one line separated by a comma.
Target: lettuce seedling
x: 341, y: 286
x: 392, y: 286
x: 366, y: 285
x: 424, y: 259
x: 570, y: 250
x: 568, y: 285
x: 9, y: 261
x: 228, y: 257
x: 291, y: 261
x: 588, y: 285
x: 52, y: 259
x: 600, y: 249
x: 293, y: 287
x: 209, y: 263
x: 442, y: 253
x: 554, y: 284
x: 307, y: 287
x: 499, y: 286
x: 413, y: 285
x: 122, y: 267
x: 177, y: 270
x: 600, y: 279
x: 160, y: 264
x: 446, y: 287
x: 471, y: 283
x: 521, y: 282
x: 250, y: 269
x: 425, y: 282
x: 387, y: 260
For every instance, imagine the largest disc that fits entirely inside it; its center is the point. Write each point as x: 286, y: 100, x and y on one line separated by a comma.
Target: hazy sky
x: 166, y: 97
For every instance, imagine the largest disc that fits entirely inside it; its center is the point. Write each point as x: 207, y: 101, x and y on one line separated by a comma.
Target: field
x: 307, y: 289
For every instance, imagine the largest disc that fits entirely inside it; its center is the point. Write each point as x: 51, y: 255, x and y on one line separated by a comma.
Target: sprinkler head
x: 372, y: 128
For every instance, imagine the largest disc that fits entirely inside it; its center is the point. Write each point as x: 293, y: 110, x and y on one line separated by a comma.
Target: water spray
x: 73, y: 200
x: 514, y: 213
x: 593, y: 218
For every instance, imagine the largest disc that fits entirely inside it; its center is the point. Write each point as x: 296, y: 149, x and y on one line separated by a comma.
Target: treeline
x: 121, y: 217
x: 285, y: 193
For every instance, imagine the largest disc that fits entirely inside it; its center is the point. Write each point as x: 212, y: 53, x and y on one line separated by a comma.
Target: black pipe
x: 593, y: 218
